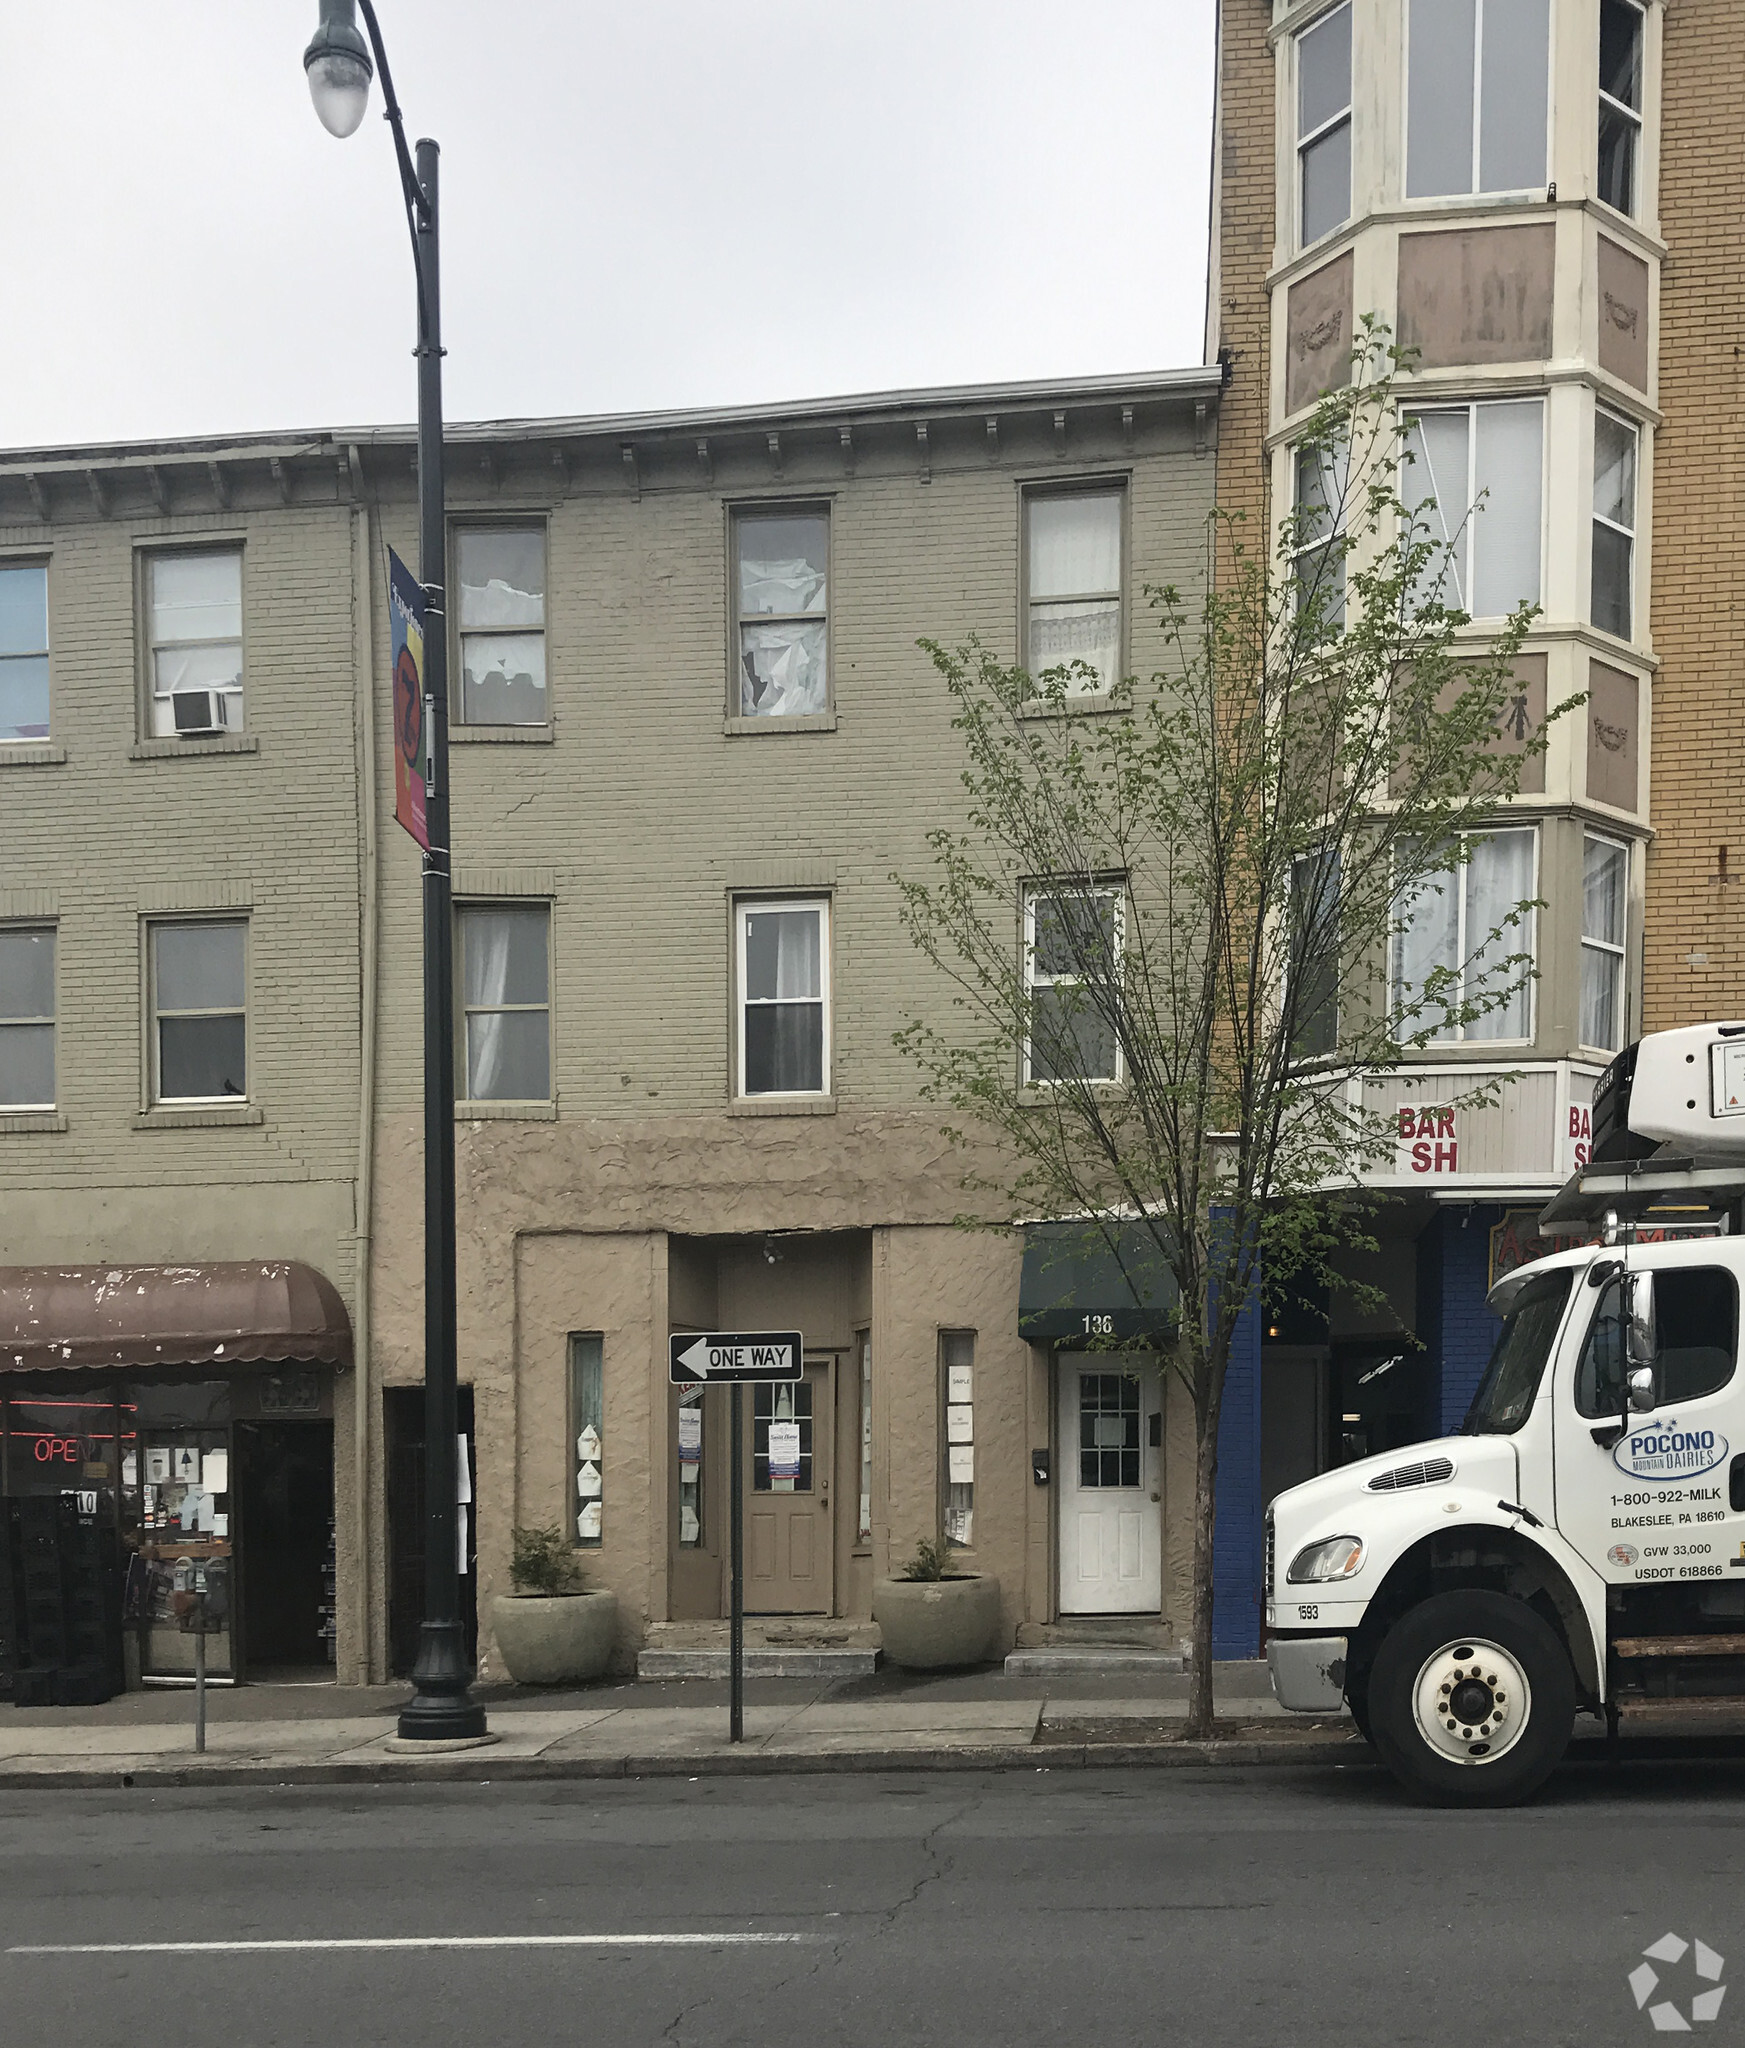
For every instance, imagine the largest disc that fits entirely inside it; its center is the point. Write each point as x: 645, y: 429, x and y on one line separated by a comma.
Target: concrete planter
x: 930, y: 1624
x: 561, y: 1640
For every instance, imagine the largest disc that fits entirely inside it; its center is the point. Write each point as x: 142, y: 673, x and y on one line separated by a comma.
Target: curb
x: 478, y: 1767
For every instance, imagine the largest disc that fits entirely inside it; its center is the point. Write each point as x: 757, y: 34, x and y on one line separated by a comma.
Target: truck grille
x: 1271, y: 1552
x: 1426, y: 1472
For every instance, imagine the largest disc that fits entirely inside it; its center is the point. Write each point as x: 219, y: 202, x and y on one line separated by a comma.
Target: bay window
x: 1478, y: 76
x: 1605, y: 879
x: 1614, y: 546
x: 1620, y: 102
x: 1455, y: 933
x: 1475, y: 481
x: 1324, y: 124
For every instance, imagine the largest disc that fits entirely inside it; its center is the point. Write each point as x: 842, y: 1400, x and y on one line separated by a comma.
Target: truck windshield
x: 1505, y: 1396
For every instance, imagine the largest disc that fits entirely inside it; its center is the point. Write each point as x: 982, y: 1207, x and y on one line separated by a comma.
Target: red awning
x: 233, y: 1312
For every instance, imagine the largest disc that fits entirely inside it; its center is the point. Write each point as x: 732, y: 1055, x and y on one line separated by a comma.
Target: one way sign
x: 722, y: 1356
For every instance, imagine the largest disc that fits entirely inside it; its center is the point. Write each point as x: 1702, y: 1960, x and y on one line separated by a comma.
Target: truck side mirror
x: 1639, y: 1321
x: 1642, y: 1389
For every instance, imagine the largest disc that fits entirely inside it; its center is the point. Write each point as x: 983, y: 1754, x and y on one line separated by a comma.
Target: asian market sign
x: 406, y: 629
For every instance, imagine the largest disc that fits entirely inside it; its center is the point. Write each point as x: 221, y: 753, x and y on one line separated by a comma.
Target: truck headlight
x: 1336, y: 1558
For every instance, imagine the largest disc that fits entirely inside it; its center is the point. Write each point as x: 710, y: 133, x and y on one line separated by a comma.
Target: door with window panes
x: 1111, y: 1484
x: 1647, y: 1499
x: 789, y: 1556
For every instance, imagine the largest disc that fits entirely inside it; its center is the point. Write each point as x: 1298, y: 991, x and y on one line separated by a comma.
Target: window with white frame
x: 23, y: 651
x: 1072, y: 574
x: 1477, y: 96
x: 1620, y: 102
x: 781, y: 587
x: 1317, y: 558
x: 1072, y: 962
x: 27, y: 1017
x: 1314, y: 951
x: 193, y: 610
x: 199, y: 1006
x: 1614, y: 551
x: 1464, y: 939
x: 1605, y: 886
x: 1324, y: 124
x: 784, y: 997
x: 505, y: 994
x: 501, y: 622
x: 1475, y: 481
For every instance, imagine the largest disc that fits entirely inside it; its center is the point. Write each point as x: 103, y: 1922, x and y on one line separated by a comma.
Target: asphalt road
x: 1278, y: 1905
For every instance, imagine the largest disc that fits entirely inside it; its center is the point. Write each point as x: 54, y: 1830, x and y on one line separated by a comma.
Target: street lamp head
x: 338, y: 65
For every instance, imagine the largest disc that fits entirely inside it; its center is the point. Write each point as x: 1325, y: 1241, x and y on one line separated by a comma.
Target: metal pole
x: 736, y: 1609
x: 200, y: 1677
x: 441, y: 1708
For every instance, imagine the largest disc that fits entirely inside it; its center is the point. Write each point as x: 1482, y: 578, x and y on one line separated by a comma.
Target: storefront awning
x: 230, y: 1313
x: 1088, y: 1280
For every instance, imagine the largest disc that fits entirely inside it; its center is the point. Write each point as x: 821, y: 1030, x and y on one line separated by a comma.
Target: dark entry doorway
x: 284, y: 1507
x: 403, y: 1438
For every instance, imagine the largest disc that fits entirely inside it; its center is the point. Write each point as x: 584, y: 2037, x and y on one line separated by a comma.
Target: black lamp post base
x: 441, y: 1708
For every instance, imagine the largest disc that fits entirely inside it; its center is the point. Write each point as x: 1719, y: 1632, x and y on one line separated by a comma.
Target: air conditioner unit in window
x: 200, y: 711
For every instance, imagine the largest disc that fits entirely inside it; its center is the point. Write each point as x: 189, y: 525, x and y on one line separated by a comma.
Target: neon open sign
x: 66, y: 1449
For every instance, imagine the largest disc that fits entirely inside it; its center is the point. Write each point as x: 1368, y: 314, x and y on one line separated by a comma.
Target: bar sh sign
x: 1427, y: 1143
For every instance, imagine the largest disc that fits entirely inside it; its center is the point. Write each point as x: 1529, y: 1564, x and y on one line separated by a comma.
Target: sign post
x: 730, y: 1358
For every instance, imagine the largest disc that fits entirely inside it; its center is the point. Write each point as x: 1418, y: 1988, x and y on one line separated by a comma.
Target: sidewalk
x: 325, y: 1735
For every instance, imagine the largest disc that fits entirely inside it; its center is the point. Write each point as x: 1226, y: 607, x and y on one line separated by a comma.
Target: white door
x: 1110, y: 1461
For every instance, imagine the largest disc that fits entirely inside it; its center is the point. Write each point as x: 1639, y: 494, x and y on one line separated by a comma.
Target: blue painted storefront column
x: 1454, y: 1320
x: 1237, y: 1562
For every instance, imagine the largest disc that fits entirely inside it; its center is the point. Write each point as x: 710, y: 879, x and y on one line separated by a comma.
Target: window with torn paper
x: 586, y: 1426
x: 501, y: 573
x: 957, y: 1351
x: 781, y: 584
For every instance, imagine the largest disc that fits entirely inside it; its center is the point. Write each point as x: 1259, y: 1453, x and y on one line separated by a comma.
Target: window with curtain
x: 781, y: 585
x: 1475, y: 480
x: 501, y: 622
x: 1073, y: 586
x: 1614, y: 549
x: 27, y: 1017
x: 1324, y: 124
x: 23, y: 651
x: 1314, y: 951
x: 199, y: 982
x: 504, y: 1049
x: 1477, y: 96
x: 1318, y: 561
x: 1620, y: 102
x: 193, y: 607
x: 1605, y: 883
x: 1072, y: 956
x: 784, y: 997
x: 1456, y: 926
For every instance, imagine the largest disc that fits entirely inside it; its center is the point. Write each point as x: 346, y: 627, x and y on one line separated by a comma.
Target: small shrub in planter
x: 932, y: 1618
x: 552, y: 1630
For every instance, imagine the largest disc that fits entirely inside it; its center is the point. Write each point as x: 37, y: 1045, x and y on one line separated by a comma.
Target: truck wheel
x: 1471, y: 1700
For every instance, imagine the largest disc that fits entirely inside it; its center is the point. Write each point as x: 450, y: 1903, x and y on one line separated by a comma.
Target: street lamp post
x: 338, y: 65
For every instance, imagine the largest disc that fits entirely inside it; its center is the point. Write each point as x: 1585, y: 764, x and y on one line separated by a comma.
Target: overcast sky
x: 670, y: 203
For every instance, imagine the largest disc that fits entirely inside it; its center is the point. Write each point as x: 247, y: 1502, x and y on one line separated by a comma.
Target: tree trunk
x: 1205, y: 1520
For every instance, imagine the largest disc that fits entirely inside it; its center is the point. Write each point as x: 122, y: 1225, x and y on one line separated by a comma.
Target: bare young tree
x: 1183, y: 921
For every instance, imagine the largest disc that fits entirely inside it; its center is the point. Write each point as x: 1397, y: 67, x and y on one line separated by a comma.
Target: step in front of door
x: 762, y: 1660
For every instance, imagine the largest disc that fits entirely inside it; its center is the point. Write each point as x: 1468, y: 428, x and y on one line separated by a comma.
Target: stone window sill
x: 172, y: 749
x: 198, y: 1116
x: 505, y: 1112
x: 815, y: 721
x: 24, y: 1121
x: 500, y: 735
x: 782, y: 1105
x: 32, y: 754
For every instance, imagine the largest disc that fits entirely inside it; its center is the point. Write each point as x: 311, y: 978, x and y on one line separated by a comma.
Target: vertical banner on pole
x: 406, y: 643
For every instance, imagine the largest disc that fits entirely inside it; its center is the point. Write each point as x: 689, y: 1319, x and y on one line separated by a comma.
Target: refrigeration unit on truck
x: 1579, y: 1546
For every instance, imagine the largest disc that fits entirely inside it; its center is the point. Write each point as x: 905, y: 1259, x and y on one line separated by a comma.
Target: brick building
x: 1539, y: 196
x: 693, y: 739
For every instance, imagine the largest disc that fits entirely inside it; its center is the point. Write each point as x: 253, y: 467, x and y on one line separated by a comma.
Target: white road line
x: 400, y: 1941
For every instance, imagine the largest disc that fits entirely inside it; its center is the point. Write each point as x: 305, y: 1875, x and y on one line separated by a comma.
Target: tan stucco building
x: 694, y: 739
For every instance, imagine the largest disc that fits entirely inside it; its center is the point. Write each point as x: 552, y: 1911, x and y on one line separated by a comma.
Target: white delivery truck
x: 1579, y: 1546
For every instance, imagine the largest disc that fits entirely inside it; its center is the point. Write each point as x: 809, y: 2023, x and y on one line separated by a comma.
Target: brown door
x: 789, y: 1566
